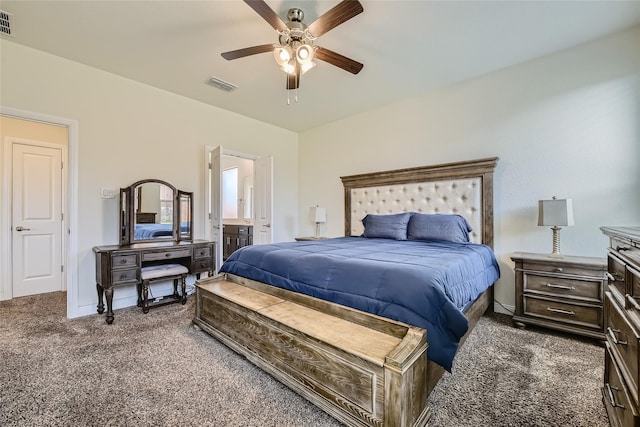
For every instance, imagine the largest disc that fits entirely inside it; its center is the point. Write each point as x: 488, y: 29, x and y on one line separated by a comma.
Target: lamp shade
x: 318, y: 214
x: 555, y: 212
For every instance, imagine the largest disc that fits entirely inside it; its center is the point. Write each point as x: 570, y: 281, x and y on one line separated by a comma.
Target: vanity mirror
x: 153, y: 210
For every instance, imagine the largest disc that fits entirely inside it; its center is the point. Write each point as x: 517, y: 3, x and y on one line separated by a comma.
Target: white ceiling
x: 407, y: 47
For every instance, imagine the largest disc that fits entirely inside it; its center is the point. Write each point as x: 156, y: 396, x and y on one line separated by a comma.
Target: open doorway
x: 243, y: 203
x: 64, y: 219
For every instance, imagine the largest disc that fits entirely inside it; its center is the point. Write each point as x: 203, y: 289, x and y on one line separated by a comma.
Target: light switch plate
x: 108, y: 193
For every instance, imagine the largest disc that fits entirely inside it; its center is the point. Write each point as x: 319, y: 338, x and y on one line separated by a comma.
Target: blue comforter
x: 425, y: 284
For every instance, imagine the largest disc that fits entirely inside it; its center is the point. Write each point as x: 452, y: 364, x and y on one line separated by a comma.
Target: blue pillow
x: 449, y: 227
x: 386, y: 226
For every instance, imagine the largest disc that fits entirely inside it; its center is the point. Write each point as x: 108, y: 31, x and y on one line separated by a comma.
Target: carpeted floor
x: 158, y: 370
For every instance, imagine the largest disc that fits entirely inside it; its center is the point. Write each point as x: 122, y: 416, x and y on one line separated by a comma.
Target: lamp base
x: 556, y: 241
x: 317, y: 235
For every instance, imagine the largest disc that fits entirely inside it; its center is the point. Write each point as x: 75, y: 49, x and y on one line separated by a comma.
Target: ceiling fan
x: 296, y: 46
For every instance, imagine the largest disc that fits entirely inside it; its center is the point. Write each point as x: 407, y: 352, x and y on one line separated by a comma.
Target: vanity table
x: 120, y: 265
x: 156, y: 234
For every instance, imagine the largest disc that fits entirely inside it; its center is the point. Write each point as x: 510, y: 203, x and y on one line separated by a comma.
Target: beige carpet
x: 157, y: 370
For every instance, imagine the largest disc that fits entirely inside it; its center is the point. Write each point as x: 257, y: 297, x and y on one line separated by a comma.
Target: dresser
x: 235, y: 237
x: 560, y: 292
x: 621, y: 390
x: 121, y: 265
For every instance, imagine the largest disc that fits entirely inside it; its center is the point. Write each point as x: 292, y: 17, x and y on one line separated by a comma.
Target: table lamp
x: 556, y: 213
x: 318, y: 215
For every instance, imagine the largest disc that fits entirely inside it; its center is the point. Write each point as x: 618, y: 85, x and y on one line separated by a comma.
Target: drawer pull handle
x: 614, y: 337
x: 622, y: 248
x: 558, y: 310
x: 123, y: 276
x: 568, y: 288
x: 123, y: 261
x: 613, y: 278
x: 167, y: 254
x: 612, y: 400
x: 559, y: 270
x: 633, y: 302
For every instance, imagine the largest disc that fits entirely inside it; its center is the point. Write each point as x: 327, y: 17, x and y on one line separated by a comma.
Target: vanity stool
x: 156, y: 273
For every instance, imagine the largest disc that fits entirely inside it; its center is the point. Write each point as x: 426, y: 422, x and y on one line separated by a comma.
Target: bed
x: 464, y: 190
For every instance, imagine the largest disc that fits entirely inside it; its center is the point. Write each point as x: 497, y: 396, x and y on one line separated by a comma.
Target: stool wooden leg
x: 175, y: 288
x: 184, y: 289
x: 139, y: 291
x: 145, y: 296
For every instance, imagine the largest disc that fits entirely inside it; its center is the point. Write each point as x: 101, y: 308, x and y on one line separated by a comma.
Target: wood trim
x: 482, y: 168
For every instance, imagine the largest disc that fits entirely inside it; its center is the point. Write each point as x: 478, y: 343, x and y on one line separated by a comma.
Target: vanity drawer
x: 634, y: 281
x: 566, y: 287
x: 623, y: 341
x: 583, y: 315
x: 615, y: 395
x: 201, y: 265
x: 124, y: 261
x: 202, y: 251
x: 166, y: 254
x: 121, y: 277
x: 616, y: 273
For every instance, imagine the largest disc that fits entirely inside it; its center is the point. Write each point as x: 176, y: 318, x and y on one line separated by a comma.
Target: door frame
x: 70, y: 203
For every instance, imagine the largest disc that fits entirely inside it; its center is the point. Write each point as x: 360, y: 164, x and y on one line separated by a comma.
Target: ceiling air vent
x: 6, y: 23
x: 221, y: 84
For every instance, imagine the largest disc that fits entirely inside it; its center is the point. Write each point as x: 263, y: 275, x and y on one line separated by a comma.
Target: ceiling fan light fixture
x: 307, y: 66
x: 304, y: 54
x: 283, y: 55
x: 289, y: 67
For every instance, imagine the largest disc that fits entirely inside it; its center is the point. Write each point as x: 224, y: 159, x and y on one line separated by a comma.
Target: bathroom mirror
x: 153, y: 210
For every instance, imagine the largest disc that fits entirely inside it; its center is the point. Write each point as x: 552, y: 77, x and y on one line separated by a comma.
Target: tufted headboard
x: 464, y: 188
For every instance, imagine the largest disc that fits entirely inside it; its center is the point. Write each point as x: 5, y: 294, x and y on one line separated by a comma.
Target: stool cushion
x: 157, y: 271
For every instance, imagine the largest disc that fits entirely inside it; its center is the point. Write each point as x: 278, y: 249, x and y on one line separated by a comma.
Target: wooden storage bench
x: 362, y: 369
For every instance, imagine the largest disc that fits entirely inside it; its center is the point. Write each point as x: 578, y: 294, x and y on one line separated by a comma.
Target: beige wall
x: 129, y: 131
x: 567, y: 125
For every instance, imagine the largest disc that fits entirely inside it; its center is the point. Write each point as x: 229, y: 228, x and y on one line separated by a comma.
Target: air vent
x: 221, y: 84
x: 6, y: 23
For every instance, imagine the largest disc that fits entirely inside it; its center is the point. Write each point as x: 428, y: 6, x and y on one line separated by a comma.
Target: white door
x: 216, y: 202
x: 263, y: 190
x: 36, y: 220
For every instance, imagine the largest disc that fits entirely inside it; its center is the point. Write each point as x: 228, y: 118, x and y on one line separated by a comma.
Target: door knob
x: 21, y: 228
x: 267, y: 225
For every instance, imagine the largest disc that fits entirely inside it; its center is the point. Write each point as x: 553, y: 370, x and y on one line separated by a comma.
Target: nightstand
x: 563, y: 292
x: 309, y: 238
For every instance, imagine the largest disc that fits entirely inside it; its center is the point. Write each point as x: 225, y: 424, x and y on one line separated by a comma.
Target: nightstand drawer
x: 562, y: 286
x: 623, y: 340
x: 558, y: 268
x: 583, y: 315
x: 615, y: 395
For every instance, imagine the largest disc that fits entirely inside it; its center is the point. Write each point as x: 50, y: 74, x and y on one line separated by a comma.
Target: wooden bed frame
x: 362, y: 369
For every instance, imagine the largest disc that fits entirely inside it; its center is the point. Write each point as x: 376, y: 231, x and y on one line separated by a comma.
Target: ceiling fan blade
x: 339, y: 14
x: 293, y: 79
x: 267, y: 14
x: 241, y: 53
x: 338, y: 60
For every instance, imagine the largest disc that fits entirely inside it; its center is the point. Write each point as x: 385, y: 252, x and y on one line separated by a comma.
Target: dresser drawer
x: 561, y: 286
x: 124, y: 261
x: 124, y: 276
x: 166, y: 254
x: 616, y: 273
x: 623, y: 340
x: 616, y: 397
x: 582, y: 315
x: 202, y: 252
x: 633, y: 276
x: 626, y: 250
